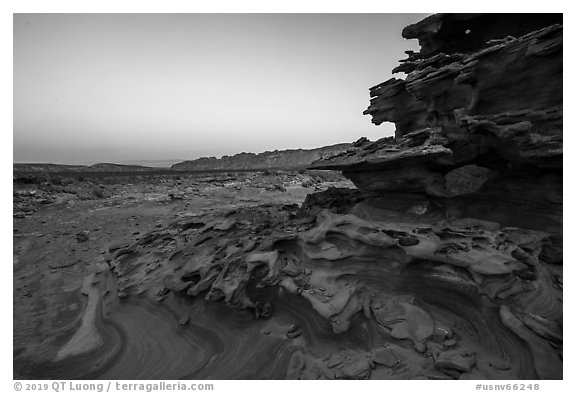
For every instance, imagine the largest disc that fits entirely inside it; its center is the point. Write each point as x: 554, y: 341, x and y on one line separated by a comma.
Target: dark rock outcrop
x: 477, y: 117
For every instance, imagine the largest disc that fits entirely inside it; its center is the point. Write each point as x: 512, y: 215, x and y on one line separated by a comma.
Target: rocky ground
x: 64, y: 226
x: 265, y: 276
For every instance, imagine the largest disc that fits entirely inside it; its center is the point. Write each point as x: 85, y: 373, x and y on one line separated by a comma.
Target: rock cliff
x: 478, y: 136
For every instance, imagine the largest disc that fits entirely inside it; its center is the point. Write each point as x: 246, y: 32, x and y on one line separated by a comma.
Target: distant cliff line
x: 278, y: 159
x: 291, y: 159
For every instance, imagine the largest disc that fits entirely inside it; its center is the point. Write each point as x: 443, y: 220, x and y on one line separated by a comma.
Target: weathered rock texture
x: 479, y: 135
x: 445, y: 264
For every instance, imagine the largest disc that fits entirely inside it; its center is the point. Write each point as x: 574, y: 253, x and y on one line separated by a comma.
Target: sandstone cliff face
x: 446, y: 263
x: 499, y: 103
x: 475, y: 120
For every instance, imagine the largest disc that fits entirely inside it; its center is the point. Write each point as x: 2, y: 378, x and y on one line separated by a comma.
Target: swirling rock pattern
x: 431, y: 301
x: 446, y: 263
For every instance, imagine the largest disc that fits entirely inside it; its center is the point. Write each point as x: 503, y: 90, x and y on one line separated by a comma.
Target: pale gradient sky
x: 115, y: 87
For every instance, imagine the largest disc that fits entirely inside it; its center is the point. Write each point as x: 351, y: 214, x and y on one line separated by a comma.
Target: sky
x: 94, y: 88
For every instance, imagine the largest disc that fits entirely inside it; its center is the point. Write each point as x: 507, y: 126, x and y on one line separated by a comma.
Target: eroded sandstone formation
x: 446, y: 263
x: 479, y: 136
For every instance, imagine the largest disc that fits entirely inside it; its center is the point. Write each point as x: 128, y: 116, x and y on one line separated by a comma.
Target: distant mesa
x: 278, y: 159
x: 167, y: 163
